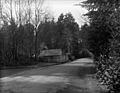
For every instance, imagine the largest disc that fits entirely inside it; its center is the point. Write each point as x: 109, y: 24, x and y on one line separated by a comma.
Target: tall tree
x: 38, y: 12
x: 1, y: 48
x: 12, y: 29
x: 29, y: 38
x: 100, y: 28
x: 46, y: 33
x: 59, y: 32
x: 68, y: 31
x: 84, y: 35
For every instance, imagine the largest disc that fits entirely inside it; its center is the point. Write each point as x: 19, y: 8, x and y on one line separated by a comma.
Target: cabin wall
x: 60, y: 58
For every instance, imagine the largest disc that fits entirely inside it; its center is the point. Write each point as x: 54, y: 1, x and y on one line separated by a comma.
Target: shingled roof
x: 51, y: 52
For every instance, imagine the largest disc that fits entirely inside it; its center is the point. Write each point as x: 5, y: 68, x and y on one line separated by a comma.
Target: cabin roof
x: 51, y: 52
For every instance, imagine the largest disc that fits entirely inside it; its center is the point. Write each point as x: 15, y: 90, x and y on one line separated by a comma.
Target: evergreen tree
x: 68, y: 34
x: 46, y: 34
x: 100, y: 30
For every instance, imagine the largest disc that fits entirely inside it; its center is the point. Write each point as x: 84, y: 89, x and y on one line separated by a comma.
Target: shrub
x: 108, y: 73
x: 85, y: 53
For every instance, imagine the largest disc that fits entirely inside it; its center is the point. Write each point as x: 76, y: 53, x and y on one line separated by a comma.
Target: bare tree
x: 38, y: 13
x: 0, y: 13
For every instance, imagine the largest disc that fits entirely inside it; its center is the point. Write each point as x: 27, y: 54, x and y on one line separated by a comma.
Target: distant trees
x: 68, y: 31
x: 63, y: 34
x: 84, y: 32
x: 1, y: 47
x: 18, y: 31
x: 46, y: 33
x: 15, y: 42
x: 20, y: 42
x: 27, y: 30
x: 29, y: 39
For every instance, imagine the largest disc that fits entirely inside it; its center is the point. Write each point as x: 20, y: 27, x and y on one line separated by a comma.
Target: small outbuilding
x: 53, y: 55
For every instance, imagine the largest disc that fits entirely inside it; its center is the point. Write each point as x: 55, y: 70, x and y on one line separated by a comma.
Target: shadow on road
x: 72, y: 89
x: 86, y: 71
x: 74, y: 77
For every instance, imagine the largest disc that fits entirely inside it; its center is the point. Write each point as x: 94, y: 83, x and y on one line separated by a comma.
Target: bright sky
x: 56, y: 7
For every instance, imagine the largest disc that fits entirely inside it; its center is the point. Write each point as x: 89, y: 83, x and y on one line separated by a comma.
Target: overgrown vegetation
x: 104, y: 40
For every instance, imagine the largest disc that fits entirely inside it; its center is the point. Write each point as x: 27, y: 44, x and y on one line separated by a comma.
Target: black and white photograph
x: 59, y: 46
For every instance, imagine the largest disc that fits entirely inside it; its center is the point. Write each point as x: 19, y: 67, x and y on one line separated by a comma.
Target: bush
x: 108, y: 73
x: 21, y: 60
x: 85, y: 53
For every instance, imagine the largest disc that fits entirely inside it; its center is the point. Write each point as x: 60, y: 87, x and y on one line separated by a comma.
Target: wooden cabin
x: 53, y: 55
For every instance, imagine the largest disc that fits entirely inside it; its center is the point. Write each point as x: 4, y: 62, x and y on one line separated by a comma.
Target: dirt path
x: 74, y: 77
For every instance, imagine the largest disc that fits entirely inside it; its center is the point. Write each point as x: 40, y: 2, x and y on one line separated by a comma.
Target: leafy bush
x: 108, y: 73
x: 85, y: 53
x: 21, y: 60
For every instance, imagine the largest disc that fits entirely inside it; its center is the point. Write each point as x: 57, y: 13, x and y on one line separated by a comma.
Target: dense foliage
x: 63, y: 34
x: 68, y: 31
x: 99, y: 31
x: 104, y: 40
x: 109, y: 73
x: 19, y: 44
